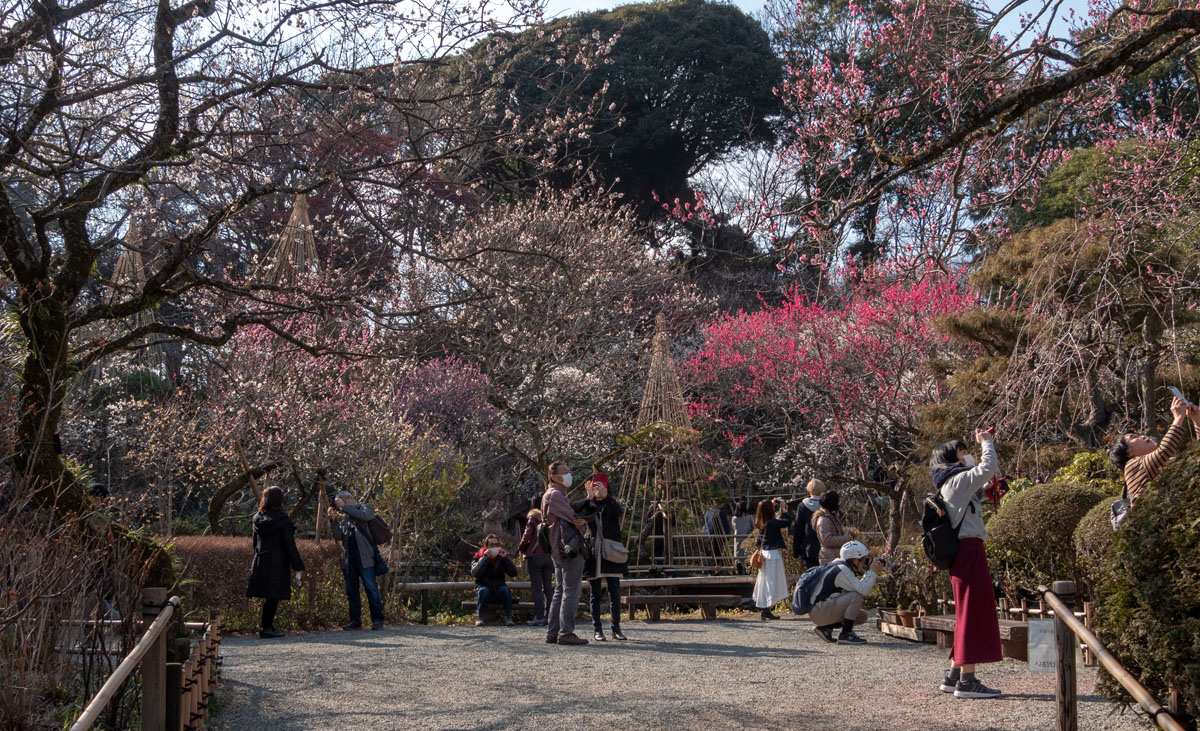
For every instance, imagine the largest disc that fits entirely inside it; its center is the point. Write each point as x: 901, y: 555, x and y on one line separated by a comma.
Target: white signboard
x: 1041, y: 646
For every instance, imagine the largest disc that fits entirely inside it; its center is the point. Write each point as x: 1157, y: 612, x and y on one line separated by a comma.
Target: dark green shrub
x: 1032, y: 537
x: 1093, y: 539
x: 1148, y: 613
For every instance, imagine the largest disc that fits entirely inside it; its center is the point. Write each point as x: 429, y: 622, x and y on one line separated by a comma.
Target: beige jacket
x: 831, y: 534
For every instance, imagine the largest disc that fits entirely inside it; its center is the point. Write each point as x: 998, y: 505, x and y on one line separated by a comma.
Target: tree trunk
x: 896, y: 516
x: 37, y: 457
x: 1149, y: 376
x: 217, y: 503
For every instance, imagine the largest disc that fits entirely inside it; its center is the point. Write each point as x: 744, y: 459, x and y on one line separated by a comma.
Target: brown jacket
x: 831, y: 534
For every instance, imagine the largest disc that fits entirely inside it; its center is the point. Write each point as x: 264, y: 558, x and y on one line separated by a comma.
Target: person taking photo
x: 603, y: 513
x: 491, y: 567
x: 770, y: 586
x: 961, y: 483
x: 838, y: 603
x: 358, y: 558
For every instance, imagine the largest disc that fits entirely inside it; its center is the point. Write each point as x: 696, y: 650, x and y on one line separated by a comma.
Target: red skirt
x: 976, y: 628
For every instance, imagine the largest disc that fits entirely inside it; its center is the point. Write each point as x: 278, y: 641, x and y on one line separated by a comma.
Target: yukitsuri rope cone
x: 296, y: 251
x: 128, y: 278
x: 663, y: 474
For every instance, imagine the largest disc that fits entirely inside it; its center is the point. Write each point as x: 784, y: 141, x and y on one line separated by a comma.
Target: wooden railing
x: 424, y: 587
x: 175, y: 696
x: 1068, y: 631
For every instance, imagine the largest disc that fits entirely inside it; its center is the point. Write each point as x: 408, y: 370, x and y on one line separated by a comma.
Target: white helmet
x: 852, y: 550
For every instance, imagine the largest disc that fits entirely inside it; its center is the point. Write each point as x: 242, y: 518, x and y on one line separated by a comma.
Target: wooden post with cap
x: 1065, y: 643
x: 154, y: 664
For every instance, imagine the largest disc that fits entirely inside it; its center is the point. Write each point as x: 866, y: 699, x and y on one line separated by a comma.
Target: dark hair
x: 490, y: 537
x: 272, y: 499
x: 946, y: 454
x: 1119, y: 452
x: 554, y: 467
x: 739, y: 509
x: 830, y: 500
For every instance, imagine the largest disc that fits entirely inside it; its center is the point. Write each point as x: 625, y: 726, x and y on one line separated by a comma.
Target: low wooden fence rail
x: 175, y: 696
x: 1068, y: 631
x: 425, y: 587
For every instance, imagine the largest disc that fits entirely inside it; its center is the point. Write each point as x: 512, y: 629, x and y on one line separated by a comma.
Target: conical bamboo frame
x: 296, y: 251
x: 129, y: 278
x: 667, y: 470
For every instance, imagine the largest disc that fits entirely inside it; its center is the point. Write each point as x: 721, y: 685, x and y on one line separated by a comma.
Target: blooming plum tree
x: 836, y: 382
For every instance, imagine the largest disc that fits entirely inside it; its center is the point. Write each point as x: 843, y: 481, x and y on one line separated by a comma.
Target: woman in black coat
x: 274, y: 554
x: 603, y: 512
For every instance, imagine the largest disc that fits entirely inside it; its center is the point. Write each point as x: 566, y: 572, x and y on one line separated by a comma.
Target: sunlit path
x: 673, y: 674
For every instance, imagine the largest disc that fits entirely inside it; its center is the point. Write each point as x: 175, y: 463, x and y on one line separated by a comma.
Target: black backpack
x: 543, y: 537
x: 941, y: 538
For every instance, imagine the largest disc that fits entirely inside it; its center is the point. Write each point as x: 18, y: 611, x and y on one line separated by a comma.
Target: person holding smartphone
x: 491, y: 567
x: 961, y: 483
x: 770, y: 586
x: 1141, y: 459
x: 603, y: 513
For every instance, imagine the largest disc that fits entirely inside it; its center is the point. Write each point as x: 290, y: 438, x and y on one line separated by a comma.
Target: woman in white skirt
x: 770, y: 587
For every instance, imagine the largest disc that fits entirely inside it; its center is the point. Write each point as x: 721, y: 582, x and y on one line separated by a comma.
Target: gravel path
x: 674, y: 674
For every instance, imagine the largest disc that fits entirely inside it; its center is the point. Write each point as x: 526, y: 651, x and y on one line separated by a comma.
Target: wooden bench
x: 654, y: 603
x: 495, y: 607
x: 1014, y: 635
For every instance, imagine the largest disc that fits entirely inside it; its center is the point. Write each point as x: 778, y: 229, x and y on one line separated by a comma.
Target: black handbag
x: 572, y: 543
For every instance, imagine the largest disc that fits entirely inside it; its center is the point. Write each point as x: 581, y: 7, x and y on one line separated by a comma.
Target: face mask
x: 567, y: 479
x: 493, y: 551
x: 969, y: 461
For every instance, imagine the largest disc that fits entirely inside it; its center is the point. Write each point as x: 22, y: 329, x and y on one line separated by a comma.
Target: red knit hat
x: 600, y: 477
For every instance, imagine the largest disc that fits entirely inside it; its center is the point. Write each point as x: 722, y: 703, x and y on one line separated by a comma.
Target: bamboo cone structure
x: 296, y: 251
x: 129, y: 278
x: 663, y: 475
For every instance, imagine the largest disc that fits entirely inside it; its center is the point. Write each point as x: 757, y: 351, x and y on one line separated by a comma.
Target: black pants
x: 268, y: 613
x: 614, y: 600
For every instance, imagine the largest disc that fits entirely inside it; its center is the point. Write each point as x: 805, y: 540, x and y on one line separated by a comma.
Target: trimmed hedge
x: 1093, y: 539
x: 1032, y: 537
x: 1148, y: 613
x: 215, y: 570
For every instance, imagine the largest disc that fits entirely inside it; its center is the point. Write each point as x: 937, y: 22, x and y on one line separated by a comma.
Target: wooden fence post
x: 154, y: 665
x: 1064, y: 645
x: 1089, y: 658
x: 174, y: 681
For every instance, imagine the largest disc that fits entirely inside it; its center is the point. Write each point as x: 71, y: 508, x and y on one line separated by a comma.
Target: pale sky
x: 556, y: 8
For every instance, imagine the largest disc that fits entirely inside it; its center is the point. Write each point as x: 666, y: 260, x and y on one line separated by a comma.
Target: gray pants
x: 847, y: 605
x: 568, y: 581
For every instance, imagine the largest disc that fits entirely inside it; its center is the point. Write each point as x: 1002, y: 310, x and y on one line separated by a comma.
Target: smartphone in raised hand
x: 1179, y: 395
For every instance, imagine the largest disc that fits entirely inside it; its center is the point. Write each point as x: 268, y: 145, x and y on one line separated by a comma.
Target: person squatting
x: 580, y: 540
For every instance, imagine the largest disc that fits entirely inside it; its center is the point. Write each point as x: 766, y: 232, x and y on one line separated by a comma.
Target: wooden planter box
x: 888, y: 622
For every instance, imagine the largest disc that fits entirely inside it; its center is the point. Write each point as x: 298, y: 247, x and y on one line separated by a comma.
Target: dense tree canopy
x: 685, y: 82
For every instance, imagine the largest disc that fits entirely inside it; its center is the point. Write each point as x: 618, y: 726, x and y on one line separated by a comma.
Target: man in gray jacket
x: 358, y: 557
